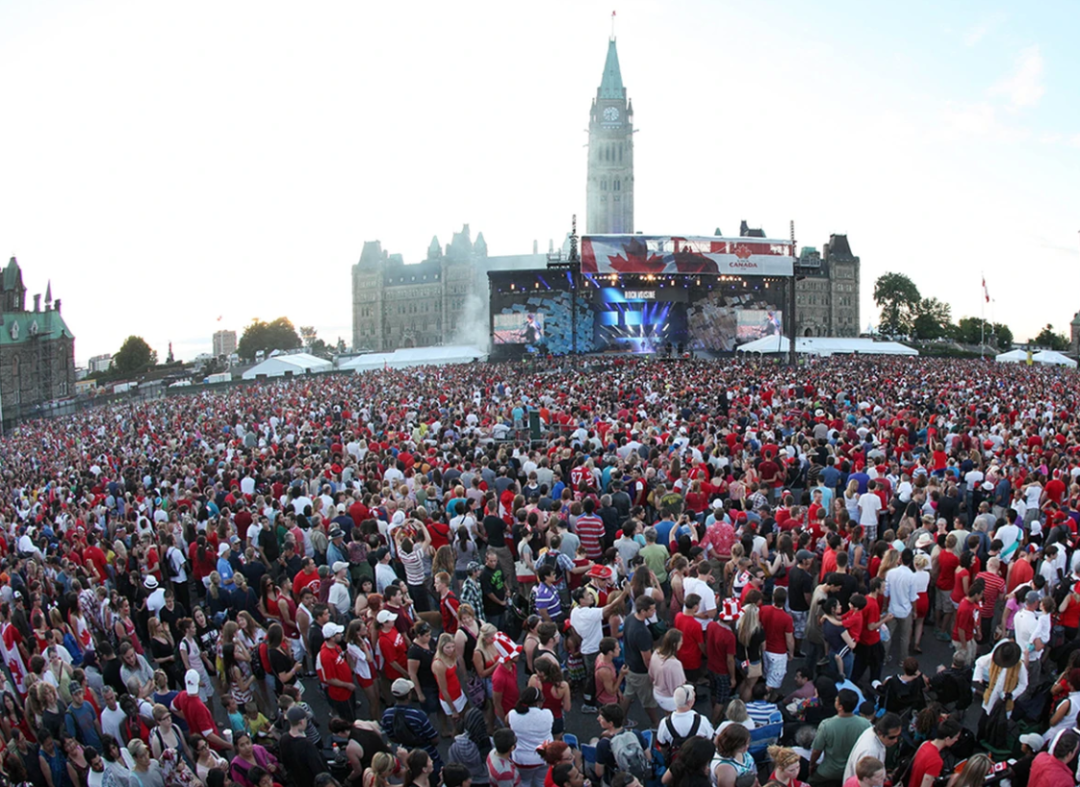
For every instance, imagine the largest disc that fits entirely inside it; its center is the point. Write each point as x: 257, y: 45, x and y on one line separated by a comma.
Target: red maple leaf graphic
x: 637, y: 259
x: 742, y: 251
x: 693, y: 262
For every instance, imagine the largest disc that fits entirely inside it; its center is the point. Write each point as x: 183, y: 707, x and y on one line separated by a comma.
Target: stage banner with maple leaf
x: 665, y: 254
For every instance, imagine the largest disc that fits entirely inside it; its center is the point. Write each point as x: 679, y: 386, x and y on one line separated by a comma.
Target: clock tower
x: 609, y: 191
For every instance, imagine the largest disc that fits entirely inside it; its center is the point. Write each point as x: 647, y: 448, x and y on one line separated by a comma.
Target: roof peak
x: 611, y: 84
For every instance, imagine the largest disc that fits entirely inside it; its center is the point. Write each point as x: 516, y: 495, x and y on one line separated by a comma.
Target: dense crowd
x: 727, y: 569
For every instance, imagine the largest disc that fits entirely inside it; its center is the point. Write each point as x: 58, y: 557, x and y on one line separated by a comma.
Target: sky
x: 165, y: 165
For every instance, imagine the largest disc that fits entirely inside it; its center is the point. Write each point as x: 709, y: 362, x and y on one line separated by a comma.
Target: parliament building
x: 443, y: 299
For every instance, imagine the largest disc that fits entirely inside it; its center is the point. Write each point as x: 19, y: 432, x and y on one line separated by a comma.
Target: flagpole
x: 982, y: 320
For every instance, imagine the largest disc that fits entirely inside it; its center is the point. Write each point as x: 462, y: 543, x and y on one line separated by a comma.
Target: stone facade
x: 224, y: 343
x: 440, y: 300
x: 609, y: 191
x: 827, y: 292
x: 37, y: 350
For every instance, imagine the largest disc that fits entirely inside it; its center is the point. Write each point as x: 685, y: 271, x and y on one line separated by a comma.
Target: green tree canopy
x: 134, y: 354
x: 267, y: 336
x: 933, y: 319
x: 1047, y: 338
x: 898, y: 298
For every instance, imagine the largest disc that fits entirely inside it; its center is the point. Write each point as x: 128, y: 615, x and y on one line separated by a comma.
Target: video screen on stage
x: 721, y: 321
x: 518, y: 328
x: 759, y: 323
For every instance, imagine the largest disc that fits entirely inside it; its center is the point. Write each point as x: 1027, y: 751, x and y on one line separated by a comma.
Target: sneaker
x: 586, y: 708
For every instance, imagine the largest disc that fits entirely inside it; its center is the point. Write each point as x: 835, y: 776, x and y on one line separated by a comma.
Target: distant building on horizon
x: 37, y: 349
x: 100, y: 363
x: 224, y: 343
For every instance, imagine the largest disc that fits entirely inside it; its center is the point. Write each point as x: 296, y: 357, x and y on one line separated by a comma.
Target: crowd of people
x: 727, y: 569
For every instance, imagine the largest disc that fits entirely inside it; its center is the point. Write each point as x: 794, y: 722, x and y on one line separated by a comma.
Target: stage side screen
x: 518, y: 328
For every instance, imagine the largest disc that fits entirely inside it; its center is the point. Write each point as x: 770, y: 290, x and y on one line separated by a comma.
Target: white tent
x: 1012, y: 356
x: 282, y: 365
x: 823, y: 345
x: 1053, y: 357
x: 414, y: 356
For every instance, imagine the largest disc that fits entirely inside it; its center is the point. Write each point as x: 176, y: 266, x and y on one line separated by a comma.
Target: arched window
x: 618, y: 185
x: 620, y: 152
x: 603, y: 185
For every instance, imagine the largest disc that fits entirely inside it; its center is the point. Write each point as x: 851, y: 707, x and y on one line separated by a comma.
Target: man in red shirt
x: 869, y: 652
x: 967, y: 629
x: 448, y: 603
x: 393, y: 647
x: 98, y: 565
x: 308, y: 577
x: 720, y: 652
x: 334, y: 673
x: 693, y: 642
x: 196, y: 714
x: 590, y: 530
x: 779, y: 641
x: 928, y: 763
x: 947, y: 564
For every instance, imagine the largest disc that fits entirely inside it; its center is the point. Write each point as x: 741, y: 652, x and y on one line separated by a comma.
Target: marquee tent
x: 808, y: 345
x: 282, y: 365
x: 1012, y: 356
x: 414, y: 356
x: 1054, y: 358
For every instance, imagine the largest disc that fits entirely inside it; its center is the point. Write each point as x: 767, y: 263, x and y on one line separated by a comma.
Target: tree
x: 972, y: 330
x: 1047, y: 338
x: 933, y: 319
x: 313, y: 344
x: 899, y: 300
x: 135, y: 354
x: 267, y: 336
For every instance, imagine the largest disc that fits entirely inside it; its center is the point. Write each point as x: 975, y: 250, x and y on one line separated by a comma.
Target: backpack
x: 170, y: 569
x: 628, y: 754
x: 552, y: 559
x: 402, y: 733
x: 671, y: 750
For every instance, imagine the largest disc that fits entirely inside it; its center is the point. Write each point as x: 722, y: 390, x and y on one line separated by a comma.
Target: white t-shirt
x: 588, y: 622
x: 869, y: 506
x: 682, y: 723
x: 708, y: 597
x: 532, y: 728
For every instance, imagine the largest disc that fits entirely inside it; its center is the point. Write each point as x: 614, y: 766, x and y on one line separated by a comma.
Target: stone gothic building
x: 37, y: 350
x: 444, y: 298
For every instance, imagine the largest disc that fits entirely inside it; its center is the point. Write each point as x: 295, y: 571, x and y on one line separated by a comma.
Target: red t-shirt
x: 506, y: 681
x: 693, y: 637
x: 394, y: 651
x: 995, y: 586
x: 948, y: 562
x: 448, y: 608
x: 777, y: 624
x: 958, y: 591
x: 97, y: 557
x: 853, y: 622
x: 196, y: 714
x: 1022, y: 573
x: 333, y: 664
x: 828, y: 563
x: 719, y: 644
x: 967, y: 620
x: 927, y: 761
x: 871, y: 613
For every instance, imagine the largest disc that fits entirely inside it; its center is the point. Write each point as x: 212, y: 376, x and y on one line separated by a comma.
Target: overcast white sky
x: 165, y: 164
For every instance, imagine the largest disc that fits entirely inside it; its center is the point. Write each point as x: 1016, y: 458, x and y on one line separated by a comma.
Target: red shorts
x: 364, y: 682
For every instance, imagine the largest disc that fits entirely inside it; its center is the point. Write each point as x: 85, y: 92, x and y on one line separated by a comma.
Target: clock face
x: 611, y: 114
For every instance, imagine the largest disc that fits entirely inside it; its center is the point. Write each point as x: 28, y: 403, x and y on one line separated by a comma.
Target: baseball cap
x: 1032, y: 597
x: 331, y: 629
x: 339, y: 565
x: 191, y: 682
x: 401, y: 687
x: 74, y: 686
x: 804, y: 554
x: 295, y: 714
x: 222, y: 549
x: 473, y: 566
x: 1032, y: 739
x: 385, y: 616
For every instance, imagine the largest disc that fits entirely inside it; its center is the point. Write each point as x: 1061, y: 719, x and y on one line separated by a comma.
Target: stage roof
x: 296, y: 364
x: 826, y: 346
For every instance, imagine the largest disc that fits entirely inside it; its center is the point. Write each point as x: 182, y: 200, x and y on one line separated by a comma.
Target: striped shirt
x: 418, y: 724
x: 590, y: 529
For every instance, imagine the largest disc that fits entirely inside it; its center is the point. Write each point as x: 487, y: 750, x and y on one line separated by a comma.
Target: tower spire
x: 613, y: 25
x: 611, y: 85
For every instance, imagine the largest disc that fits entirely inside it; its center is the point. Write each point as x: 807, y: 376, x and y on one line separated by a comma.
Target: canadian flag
x: 986, y: 292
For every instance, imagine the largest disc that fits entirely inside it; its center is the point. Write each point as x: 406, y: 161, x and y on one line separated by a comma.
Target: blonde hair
x: 137, y: 748
x: 782, y: 756
x: 444, y: 640
x: 922, y: 562
x: 748, y: 624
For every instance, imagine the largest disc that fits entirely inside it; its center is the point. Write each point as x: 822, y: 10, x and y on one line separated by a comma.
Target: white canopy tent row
x: 1046, y: 357
x: 414, y: 356
x: 825, y: 346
